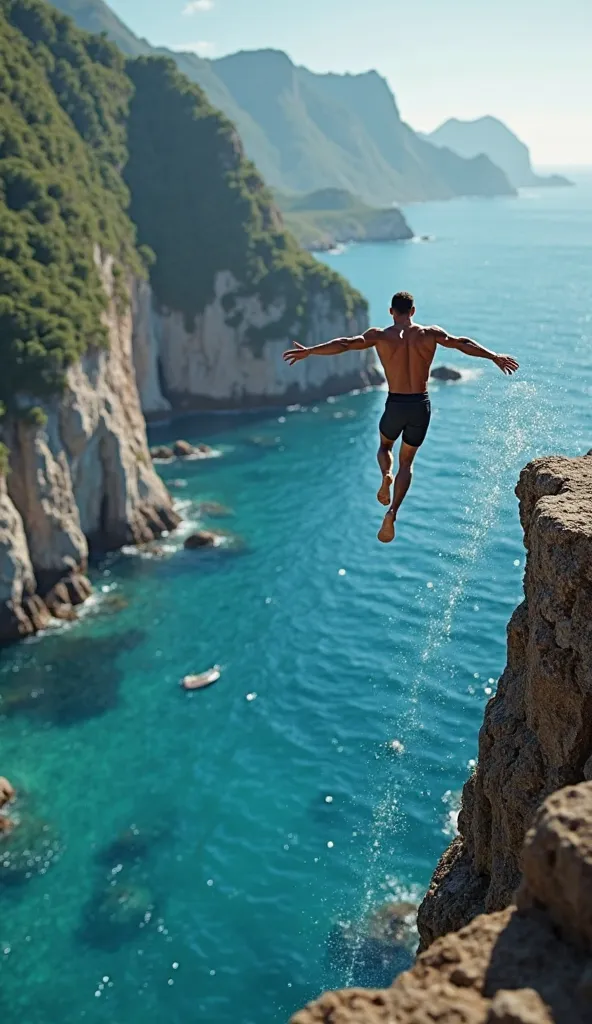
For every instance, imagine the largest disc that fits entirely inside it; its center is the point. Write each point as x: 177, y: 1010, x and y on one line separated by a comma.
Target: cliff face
x: 537, y: 734
x: 216, y: 364
x: 528, y: 964
x: 231, y: 287
x: 506, y: 924
x: 83, y: 480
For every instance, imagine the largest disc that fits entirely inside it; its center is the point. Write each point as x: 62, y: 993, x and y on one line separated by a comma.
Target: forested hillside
x: 307, y: 132
x: 63, y: 107
x: 76, y: 124
x: 203, y: 207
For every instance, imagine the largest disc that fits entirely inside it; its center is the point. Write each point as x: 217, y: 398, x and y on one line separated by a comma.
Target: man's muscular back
x: 406, y: 354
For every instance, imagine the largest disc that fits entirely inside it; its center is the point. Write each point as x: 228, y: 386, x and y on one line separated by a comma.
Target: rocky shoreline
x: 506, y: 926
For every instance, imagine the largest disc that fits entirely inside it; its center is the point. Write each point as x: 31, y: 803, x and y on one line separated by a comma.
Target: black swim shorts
x: 408, y: 415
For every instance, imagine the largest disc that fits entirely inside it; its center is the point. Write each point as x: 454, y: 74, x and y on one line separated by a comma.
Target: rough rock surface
x: 215, y: 364
x: 85, y: 478
x: 537, y: 734
x: 445, y: 373
x: 526, y: 965
x: 201, y: 539
x: 145, y: 351
x: 526, y: 817
x: 17, y: 579
x: 7, y: 792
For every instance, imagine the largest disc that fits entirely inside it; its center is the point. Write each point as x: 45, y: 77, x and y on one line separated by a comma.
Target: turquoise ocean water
x: 263, y: 822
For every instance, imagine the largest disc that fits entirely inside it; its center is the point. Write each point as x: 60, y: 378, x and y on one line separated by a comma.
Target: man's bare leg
x: 402, y: 485
x: 385, y: 461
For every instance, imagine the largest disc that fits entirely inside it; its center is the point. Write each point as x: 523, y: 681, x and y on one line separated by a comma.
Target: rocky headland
x: 506, y: 925
x: 125, y: 293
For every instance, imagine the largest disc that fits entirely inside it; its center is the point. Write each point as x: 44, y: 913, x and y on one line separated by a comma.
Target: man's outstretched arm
x: 507, y: 364
x: 335, y: 347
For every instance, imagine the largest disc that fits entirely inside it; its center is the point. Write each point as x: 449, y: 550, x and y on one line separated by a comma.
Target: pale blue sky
x: 528, y: 62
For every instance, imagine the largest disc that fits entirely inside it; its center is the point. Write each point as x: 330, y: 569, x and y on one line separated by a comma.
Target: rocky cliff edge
x: 528, y: 964
x: 537, y: 733
x: 215, y: 365
x: 83, y: 481
x: 524, y: 853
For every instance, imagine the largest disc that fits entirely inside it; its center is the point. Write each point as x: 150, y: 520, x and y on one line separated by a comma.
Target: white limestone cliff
x: 84, y: 480
x: 216, y: 364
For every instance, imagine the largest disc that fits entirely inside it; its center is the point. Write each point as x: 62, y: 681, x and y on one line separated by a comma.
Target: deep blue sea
x: 267, y: 809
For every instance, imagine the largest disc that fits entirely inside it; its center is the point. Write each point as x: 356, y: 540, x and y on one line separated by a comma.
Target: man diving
x: 406, y: 351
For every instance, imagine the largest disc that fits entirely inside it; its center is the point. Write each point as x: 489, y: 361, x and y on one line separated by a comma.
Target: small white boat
x: 201, y: 681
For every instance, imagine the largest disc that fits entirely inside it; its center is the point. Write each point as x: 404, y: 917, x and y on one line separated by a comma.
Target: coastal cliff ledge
x: 506, y: 933
x: 537, y: 732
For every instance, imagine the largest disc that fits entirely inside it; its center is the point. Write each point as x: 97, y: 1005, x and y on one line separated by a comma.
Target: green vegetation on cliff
x: 77, y: 125
x: 203, y: 207
x: 63, y: 103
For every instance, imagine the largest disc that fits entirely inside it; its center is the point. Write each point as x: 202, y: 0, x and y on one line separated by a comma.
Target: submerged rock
x: 373, y: 952
x: 114, y: 603
x: 201, y: 539
x: 28, y: 847
x: 131, y: 845
x: 445, y: 373
x: 83, y: 684
x: 213, y: 510
x: 116, y: 913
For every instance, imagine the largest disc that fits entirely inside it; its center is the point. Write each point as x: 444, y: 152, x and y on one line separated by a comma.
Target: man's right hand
x: 507, y: 364
x: 294, y: 355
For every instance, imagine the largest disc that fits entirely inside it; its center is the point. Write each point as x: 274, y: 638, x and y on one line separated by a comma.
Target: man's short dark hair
x: 403, y: 302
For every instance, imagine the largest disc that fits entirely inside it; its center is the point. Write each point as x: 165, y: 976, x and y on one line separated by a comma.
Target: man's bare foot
x: 384, y: 494
x: 387, y: 530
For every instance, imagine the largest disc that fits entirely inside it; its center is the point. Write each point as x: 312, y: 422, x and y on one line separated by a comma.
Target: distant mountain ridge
x: 306, y: 131
x: 492, y: 137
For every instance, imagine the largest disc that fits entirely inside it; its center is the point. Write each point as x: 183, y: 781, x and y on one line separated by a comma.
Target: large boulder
x: 182, y: 449
x: 162, y: 451
x: 201, y: 539
x: 446, y: 373
x: 67, y: 595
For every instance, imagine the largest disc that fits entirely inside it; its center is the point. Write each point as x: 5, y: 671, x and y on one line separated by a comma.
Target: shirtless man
x: 406, y: 351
